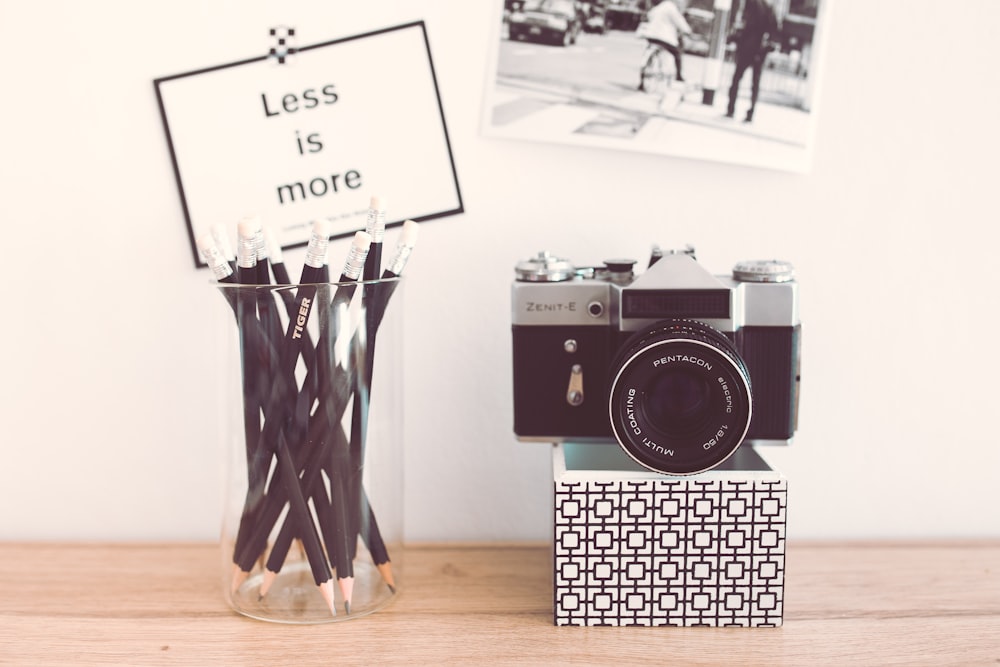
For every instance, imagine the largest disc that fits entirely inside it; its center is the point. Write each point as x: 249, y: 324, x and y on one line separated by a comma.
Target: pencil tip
x: 392, y: 589
x: 239, y: 576
x: 385, y: 569
x: 326, y: 590
x: 347, y: 590
x: 265, y: 583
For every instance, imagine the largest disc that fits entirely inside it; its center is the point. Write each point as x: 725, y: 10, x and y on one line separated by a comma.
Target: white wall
x: 106, y: 398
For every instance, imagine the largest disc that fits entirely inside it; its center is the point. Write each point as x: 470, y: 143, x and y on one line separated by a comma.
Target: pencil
x: 283, y: 388
x: 272, y: 438
x: 375, y: 226
x: 357, y: 260
x: 251, y: 347
x: 332, y: 508
x: 381, y: 293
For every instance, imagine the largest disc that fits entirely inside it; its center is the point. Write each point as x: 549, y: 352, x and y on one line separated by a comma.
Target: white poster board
x: 314, y: 137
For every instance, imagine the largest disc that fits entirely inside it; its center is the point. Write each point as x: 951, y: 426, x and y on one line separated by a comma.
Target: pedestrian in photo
x: 760, y: 26
x: 663, y: 28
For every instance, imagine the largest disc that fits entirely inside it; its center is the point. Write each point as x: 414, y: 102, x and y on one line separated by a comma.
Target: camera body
x: 678, y: 365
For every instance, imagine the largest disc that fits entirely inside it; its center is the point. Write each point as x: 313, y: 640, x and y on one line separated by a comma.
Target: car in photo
x: 595, y: 21
x: 547, y: 21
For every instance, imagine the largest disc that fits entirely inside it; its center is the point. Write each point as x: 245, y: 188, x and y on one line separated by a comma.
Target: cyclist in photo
x: 663, y: 28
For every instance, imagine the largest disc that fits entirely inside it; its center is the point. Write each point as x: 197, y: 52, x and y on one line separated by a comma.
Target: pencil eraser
x: 408, y: 235
x: 321, y: 227
x: 247, y: 227
x: 362, y: 240
x: 206, y: 243
x: 222, y: 241
x: 374, y: 203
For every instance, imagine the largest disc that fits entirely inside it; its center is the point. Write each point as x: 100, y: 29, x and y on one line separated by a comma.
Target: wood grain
x: 161, y: 604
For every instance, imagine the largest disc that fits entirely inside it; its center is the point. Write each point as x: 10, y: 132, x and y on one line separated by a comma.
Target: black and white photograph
x: 724, y: 80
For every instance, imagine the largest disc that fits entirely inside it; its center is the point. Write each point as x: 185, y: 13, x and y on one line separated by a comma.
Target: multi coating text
x: 634, y: 425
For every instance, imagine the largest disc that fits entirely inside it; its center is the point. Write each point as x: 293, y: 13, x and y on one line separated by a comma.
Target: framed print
x: 724, y: 80
x: 312, y: 135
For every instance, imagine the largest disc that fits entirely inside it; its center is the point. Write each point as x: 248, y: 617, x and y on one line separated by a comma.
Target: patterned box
x: 633, y: 547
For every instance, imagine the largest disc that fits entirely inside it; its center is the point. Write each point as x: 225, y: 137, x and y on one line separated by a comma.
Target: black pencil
x: 380, y: 294
x: 272, y: 439
x: 251, y: 347
x: 335, y: 528
x: 283, y: 391
x: 375, y: 226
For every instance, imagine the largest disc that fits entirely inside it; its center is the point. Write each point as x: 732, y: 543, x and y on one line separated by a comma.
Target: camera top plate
x: 764, y: 271
x: 545, y: 268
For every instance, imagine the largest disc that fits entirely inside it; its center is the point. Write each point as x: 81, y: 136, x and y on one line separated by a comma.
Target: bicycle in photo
x: 658, y: 76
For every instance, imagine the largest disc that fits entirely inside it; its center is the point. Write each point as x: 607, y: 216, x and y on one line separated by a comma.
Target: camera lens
x: 677, y: 400
x: 680, y: 400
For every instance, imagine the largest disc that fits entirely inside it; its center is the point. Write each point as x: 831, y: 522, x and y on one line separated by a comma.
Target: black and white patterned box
x: 633, y: 547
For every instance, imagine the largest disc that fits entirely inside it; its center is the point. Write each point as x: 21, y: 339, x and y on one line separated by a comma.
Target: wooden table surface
x: 891, y: 603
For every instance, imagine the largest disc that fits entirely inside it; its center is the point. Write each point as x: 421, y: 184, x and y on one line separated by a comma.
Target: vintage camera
x: 678, y: 365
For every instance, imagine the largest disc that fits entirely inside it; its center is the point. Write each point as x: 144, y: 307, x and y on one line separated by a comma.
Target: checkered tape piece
x: 682, y: 552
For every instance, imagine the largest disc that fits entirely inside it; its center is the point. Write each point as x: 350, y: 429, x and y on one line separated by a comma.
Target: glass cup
x: 313, y: 440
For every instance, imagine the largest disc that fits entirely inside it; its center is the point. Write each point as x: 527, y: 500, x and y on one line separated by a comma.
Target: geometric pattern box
x: 634, y: 547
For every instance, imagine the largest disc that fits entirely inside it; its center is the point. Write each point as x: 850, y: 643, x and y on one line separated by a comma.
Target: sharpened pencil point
x: 266, y: 582
x: 385, y: 569
x: 326, y: 590
x: 347, y: 590
x: 239, y: 576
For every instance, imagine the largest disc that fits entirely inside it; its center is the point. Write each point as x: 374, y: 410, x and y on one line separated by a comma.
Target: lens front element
x: 680, y: 400
x: 677, y: 400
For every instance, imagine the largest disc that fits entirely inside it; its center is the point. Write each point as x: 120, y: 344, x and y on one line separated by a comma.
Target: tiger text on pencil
x: 300, y: 321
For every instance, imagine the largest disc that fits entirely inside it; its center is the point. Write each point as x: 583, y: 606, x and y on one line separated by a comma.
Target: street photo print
x: 724, y: 80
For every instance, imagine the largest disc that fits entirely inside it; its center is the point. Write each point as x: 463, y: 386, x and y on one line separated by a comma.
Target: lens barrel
x: 680, y: 400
